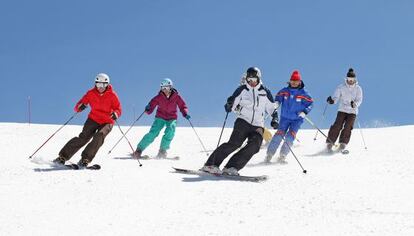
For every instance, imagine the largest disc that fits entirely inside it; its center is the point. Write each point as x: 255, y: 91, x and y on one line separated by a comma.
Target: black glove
x: 275, y: 120
x: 330, y: 100
x: 274, y: 123
x: 114, y: 116
x: 353, y: 104
x: 148, y: 108
x: 81, y: 107
x: 228, y: 106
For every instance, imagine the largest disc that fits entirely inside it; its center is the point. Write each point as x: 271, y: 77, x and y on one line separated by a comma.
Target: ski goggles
x: 350, y: 79
x: 166, y: 87
x: 252, y: 79
x: 101, y: 85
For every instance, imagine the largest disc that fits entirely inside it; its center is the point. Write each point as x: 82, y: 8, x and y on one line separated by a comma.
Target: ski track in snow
x: 368, y: 192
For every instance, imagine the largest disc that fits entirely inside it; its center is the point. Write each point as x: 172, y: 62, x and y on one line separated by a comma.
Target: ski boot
x: 282, y: 160
x: 137, y: 154
x: 83, y: 163
x: 59, y: 161
x: 342, y: 146
x: 162, y: 154
x: 268, y: 158
x: 211, y: 169
x: 329, y: 147
x: 230, y: 171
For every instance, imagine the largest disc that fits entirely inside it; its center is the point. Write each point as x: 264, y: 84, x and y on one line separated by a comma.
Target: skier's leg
x: 239, y: 134
x: 277, y: 138
x: 290, y: 137
x: 336, y: 127
x: 346, y: 132
x: 168, y: 136
x: 71, y: 147
x: 98, y: 139
x: 242, y: 157
x: 156, y: 127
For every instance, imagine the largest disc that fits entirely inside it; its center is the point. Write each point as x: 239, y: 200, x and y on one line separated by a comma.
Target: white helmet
x: 102, y: 78
x: 166, y: 82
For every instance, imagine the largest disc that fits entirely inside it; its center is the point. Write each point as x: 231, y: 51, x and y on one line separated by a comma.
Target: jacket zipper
x: 254, y: 104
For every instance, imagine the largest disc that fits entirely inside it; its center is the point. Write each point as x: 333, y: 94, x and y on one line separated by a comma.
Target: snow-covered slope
x: 368, y: 192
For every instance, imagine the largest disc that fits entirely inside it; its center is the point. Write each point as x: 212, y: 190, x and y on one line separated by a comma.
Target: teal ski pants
x: 156, y: 127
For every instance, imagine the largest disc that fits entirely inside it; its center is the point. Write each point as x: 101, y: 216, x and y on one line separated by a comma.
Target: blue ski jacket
x: 293, y: 101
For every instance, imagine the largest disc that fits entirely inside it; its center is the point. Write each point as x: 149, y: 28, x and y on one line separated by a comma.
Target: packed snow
x: 368, y: 192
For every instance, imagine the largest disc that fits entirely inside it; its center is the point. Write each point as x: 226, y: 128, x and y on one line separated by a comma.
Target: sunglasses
x: 101, y: 85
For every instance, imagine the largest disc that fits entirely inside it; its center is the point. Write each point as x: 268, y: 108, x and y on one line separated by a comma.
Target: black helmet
x: 253, y: 72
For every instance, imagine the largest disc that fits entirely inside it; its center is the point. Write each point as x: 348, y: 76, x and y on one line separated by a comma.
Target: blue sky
x: 51, y: 51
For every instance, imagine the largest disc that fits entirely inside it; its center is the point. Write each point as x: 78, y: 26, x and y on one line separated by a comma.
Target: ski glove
x: 187, y: 116
x: 330, y: 100
x: 275, y: 120
x: 274, y: 123
x: 353, y: 105
x: 228, y: 106
x: 81, y: 107
x: 148, y: 108
x: 302, y: 114
x: 114, y: 116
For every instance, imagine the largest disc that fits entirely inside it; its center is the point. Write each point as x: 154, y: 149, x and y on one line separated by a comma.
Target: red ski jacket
x: 102, y: 105
x: 167, y: 107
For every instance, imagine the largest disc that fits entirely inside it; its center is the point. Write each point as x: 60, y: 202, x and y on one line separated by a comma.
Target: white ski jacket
x: 252, y: 104
x: 346, y: 93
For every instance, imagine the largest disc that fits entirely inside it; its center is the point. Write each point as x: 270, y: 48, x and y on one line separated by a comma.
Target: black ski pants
x: 242, y: 130
x: 344, y: 123
x: 91, y: 130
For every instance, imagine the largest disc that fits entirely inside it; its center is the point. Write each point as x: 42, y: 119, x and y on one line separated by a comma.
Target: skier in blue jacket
x: 296, y: 103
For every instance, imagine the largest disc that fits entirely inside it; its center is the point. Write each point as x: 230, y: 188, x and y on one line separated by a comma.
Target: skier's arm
x: 336, y: 95
x: 234, y: 99
x: 359, y: 97
x: 152, y: 104
x: 280, y: 95
x: 307, y: 101
x: 116, y: 105
x: 83, y: 101
x: 182, y: 106
x: 271, y: 105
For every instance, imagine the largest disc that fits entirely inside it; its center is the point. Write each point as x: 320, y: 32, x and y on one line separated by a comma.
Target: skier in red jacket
x: 105, y: 109
x: 167, y: 101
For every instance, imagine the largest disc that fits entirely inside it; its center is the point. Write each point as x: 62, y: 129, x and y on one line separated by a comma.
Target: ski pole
x: 362, y: 135
x: 224, y: 124
x: 316, y: 127
x: 198, y: 136
x: 323, y: 118
x: 122, y: 132
x: 53, y: 134
x: 126, y: 132
x: 287, y: 143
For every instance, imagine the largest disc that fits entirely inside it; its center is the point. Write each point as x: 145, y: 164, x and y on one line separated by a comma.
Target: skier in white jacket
x: 251, y: 102
x: 349, y: 97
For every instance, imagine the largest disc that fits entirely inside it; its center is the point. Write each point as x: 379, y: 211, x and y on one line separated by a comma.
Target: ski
x: 231, y: 177
x: 146, y: 157
x: 77, y: 167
